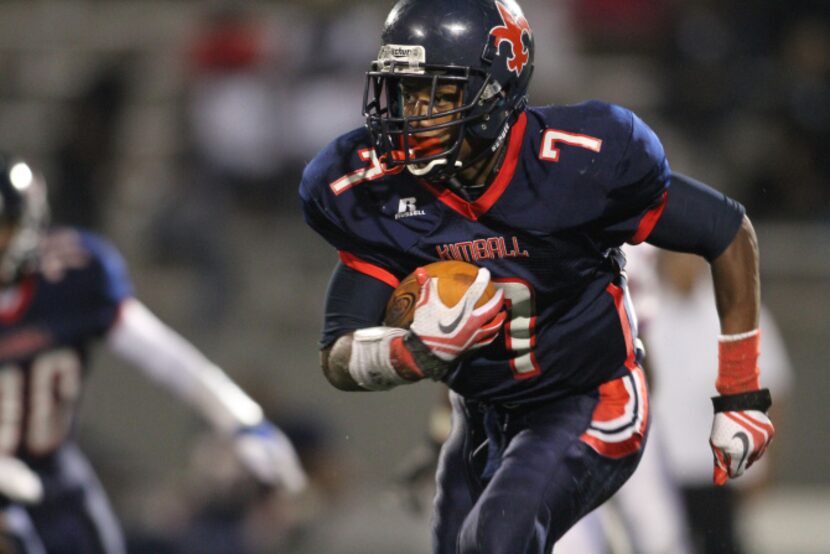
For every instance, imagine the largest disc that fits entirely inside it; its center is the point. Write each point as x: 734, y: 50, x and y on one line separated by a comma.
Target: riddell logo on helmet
x: 511, y: 32
x: 402, y: 52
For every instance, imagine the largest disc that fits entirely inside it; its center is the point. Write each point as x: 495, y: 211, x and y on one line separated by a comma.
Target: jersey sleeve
x: 354, y: 301
x: 636, y: 186
x: 112, y: 282
x: 344, y: 223
x: 697, y: 219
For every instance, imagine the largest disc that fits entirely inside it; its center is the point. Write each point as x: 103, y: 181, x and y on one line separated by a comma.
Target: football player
x: 61, y: 290
x: 550, y: 407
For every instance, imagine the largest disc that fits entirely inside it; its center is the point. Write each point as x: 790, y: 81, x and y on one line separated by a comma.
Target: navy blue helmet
x: 485, y: 47
x: 24, y: 214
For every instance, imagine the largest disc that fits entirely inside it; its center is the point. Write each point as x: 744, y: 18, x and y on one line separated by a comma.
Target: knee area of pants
x: 477, y: 540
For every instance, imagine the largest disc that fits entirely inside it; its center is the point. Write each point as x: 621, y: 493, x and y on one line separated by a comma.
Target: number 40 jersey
x: 576, y: 182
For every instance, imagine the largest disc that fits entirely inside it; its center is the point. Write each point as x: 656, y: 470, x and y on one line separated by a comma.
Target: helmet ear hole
x: 490, y: 50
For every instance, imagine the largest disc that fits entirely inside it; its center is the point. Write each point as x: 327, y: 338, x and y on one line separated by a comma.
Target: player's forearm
x: 148, y: 344
x: 737, y: 286
x: 335, y: 363
x: 379, y: 358
x: 738, y: 298
x: 364, y: 361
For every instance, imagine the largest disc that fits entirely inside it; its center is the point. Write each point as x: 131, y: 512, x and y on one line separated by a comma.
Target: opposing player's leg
x: 651, y: 505
x: 17, y: 534
x: 588, y: 536
x: 454, y: 495
x: 645, y: 516
x: 75, y: 516
x: 560, y: 462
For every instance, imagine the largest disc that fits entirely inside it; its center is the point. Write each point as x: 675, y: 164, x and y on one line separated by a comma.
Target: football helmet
x: 24, y: 214
x: 483, y: 47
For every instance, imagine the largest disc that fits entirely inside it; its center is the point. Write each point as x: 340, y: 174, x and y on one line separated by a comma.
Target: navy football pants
x: 513, y: 481
x: 75, y: 516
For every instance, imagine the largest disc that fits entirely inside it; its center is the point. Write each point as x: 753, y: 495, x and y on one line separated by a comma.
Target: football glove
x: 450, y: 332
x: 18, y: 483
x: 741, y: 432
x: 270, y: 457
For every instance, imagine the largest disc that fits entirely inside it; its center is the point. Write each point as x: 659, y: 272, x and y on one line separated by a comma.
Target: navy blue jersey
x: 47, y: 324
x: 576, y: 182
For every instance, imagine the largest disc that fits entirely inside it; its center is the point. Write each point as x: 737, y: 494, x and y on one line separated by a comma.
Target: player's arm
x: 737, y: 287
x: 336, y: 365
x: 700, y: 220
x: 354, y: 300
x: 359, y: 354
x: 697, y: 219
x: 140, y: 338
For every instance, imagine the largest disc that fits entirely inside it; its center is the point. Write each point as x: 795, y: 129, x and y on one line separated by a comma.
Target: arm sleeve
x: 636, y: 191
x: 116, y: 279
x: 355, y: 250
x: 354, y: 300
x: 696, y: 219
x: 105, y: 281
x: 141, y: 339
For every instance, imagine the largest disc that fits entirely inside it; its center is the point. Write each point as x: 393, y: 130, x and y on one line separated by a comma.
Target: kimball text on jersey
x: 481, y: 249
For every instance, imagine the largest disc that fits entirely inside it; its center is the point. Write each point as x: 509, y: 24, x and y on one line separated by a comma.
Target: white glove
x: 270, y: 457
x: 18, y: 483
x: 449, y: 332
x: 738, y: 439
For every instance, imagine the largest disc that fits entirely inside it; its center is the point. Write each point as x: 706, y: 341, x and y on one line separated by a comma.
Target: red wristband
x: 403, y: 361
x: 738, y: 363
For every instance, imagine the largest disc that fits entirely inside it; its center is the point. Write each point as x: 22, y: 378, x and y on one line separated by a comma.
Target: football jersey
x: 576, y: 182
x: 47, y: 324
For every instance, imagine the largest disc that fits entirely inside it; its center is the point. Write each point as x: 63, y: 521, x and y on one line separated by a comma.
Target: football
x: 454, y: 278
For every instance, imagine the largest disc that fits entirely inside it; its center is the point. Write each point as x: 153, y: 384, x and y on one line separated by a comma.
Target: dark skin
x: 447, y: 96
x: 737, y: 285
x: 335, y: 363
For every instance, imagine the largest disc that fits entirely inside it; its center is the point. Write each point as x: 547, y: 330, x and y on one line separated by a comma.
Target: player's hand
x: 18, y: 483
x: 270, y: 457
x: 740, y: 434
x: 449, y: 332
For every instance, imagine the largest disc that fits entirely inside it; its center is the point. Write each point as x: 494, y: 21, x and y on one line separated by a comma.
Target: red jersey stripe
x: 649, y: 220
x: 474, y: 210
x: 372, y: 270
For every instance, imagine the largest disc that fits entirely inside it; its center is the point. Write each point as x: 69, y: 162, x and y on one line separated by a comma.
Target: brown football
x: 454, y: 278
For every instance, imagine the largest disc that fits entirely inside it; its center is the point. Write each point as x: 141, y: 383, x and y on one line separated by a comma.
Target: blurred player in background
x: 646, y: 516
x: 60, y: 291
x: 678, y: 341
x: 550, y: 406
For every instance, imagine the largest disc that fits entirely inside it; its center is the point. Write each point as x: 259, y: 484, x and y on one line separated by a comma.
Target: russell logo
x: 511, y: 32
x: 407, y: 208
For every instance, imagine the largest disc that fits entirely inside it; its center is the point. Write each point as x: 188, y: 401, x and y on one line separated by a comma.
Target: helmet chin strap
x: 483, y: 153
x: 423, y: 169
